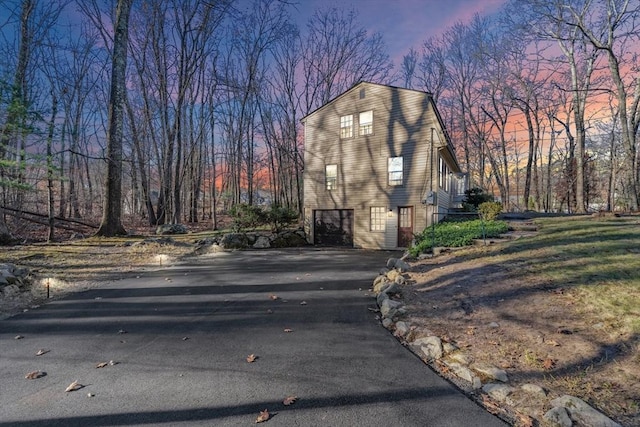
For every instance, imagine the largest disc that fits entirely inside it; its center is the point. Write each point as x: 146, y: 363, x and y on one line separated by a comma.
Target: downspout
x: 433, y: 205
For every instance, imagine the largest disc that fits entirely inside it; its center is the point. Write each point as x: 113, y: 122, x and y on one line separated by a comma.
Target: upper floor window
x: 443, y: 175
x: 346, y: 126
x: 366, y: 122
x: 378, y: 218
x: 331, y: 177
x: 395, y: 170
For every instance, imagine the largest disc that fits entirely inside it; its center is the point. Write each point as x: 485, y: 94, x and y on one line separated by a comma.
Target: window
x: 366, y: 123
x: 443, y: 176
x: 395, y: 170
x: 346, y: 126
x: 331, y: 177
x: 378, y: 218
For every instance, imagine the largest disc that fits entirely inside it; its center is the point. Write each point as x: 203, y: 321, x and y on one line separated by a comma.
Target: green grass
x: 596, y: 259
x: 456, y: 234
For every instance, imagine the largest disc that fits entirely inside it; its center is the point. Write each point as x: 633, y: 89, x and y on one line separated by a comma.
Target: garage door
x: 333, y: 227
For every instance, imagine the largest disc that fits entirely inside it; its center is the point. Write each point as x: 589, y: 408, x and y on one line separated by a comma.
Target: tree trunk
x: 111, y: 224
x: 50, y: 199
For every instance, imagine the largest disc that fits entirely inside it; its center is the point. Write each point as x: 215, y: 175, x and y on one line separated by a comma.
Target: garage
x: 333, y: 227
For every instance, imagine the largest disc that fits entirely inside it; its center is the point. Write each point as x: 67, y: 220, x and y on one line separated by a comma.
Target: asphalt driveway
x: 179, y: 339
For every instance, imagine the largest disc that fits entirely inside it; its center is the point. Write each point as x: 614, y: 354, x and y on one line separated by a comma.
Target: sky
x: 405, y: 23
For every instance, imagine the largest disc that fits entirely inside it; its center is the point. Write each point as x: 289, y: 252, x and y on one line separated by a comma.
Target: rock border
x: 486, y: 384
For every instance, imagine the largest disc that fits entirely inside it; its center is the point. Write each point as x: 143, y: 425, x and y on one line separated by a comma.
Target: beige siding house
x: 379, y: 168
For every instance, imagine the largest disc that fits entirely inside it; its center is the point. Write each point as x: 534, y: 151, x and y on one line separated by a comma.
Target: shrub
x: 474, y: 197
x: 247, y: 216
x: 250, y: 216
x: 489, y: 210
x: 456, y: 234
x: 280, y: 217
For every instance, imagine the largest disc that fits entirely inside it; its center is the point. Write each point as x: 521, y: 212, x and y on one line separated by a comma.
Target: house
x: 379, y: 168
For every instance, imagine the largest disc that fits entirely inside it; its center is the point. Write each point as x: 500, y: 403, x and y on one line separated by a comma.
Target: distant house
x: 379, y: 167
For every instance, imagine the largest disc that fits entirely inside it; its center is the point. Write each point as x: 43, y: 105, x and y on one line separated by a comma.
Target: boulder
x: 534, y: 389
x: 492, y: 372
x: 381, y: 297
x: 251, y: 238
x: 171, y: 229
x: 234, y: 241
x: 388, y: 308
x: 402, y: 266
x: 288, y: 239
x: 402, y: 329
x: 465, y: 373
x: 499, y: 392
x: 392, y: 288
x: 379, y: 283
x: 262, y: 242
x: 431, y: 347
x: 461, y: 357
x: 393, y: 274
x: 558, y: 417
x: 582, y: 413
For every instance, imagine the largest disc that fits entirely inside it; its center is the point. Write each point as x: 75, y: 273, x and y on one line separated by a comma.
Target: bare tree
x: 611, y: 27
x: 339, y: 53
x: 111, y: 224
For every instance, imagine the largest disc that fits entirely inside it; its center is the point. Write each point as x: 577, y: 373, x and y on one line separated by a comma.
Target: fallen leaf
x: 273, y: 297
x: 375, y: 310
x: 549, y: 363
x: 524, y: 420
x: 251, y: 358
x: 264, y: 416
x: 74, y: 386
x: 443, y: 368
x: 288, y: 330
x: 490, y: 405
x: 553, y: 343
x: 33, y: 375
x: 18, y: 337
x: 289, y: 400
x: 41, y: 352
x: 122, y: 331
x: 101, y: 365
x: 303, y: 303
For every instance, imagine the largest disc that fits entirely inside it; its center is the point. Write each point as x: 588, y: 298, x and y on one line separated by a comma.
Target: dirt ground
x: 527, y: 326
x: 485, y: 306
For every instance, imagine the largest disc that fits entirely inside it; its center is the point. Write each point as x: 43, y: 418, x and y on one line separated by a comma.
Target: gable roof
x: 448, y: 147
x: 356, y: 87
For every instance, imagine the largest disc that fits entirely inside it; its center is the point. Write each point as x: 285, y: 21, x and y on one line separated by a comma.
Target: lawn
x: 564, y: 304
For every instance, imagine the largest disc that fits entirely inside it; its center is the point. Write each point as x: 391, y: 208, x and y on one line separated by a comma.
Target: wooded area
x: 542, y: 104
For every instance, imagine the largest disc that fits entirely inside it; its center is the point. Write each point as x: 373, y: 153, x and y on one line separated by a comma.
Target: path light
x: 162, y: 259
x: 52, y: 283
